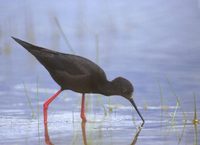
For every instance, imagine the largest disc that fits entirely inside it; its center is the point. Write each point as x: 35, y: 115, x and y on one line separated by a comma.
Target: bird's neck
x: 108, y: 89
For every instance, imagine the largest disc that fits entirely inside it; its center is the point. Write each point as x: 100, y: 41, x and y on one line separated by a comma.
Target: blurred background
x: 149, y: 43
x: 154, y: 44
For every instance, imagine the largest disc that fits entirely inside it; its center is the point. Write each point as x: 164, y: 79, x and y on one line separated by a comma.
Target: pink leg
x: 46, y: 104
x: 83, y: 108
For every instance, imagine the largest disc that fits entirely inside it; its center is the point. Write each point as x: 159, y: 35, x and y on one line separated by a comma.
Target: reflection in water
x: 83, y: 124
x: 182, y: 133
x: 136, y: 135
x: 84, y: 136
x: 46, y: 134
x: 196, y: 134
x: 84, y: 132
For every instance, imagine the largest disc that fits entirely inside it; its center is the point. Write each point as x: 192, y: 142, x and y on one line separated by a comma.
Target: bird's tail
x: 30, y: 47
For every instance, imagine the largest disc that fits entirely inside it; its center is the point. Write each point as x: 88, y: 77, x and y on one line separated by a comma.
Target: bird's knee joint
x: 45, y: 106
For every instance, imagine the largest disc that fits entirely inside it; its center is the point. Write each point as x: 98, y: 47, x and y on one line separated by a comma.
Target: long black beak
x: 134, y: 105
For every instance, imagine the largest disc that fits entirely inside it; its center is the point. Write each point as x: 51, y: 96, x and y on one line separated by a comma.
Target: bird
x: 79, y: 74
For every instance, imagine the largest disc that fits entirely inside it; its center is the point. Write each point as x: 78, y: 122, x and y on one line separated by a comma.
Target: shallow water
x: 115, y: 128
x: 154, y: 44
x: 22, y: 123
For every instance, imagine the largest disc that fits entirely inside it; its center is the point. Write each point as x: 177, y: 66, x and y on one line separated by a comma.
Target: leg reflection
x: 83, y: 125
x: 84, y: 132
x: 47, y: 139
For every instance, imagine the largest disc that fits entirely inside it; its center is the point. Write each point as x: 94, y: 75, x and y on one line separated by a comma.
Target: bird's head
x: 123, y: 87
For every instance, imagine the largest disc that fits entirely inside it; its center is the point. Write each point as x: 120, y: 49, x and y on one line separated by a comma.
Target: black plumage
x: 79, y: 74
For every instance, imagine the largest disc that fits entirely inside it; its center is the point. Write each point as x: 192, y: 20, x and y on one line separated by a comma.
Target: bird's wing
x: 71, y: 78
x: 63, y: 62
x: 52, y: 60
x: 77, y: 83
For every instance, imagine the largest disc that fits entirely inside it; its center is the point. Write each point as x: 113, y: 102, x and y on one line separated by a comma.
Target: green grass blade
x: 29, y: 101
